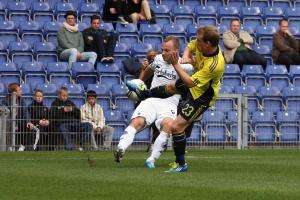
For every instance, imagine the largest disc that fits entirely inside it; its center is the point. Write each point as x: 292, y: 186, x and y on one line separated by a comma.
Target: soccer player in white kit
x: 160, y: 111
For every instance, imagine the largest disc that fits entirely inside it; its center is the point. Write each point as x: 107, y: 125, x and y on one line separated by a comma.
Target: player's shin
x: 127, y: 138
x: 158, y: 146
x: 179, y: 144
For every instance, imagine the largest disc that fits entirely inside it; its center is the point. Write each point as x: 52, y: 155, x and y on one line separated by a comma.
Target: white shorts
x: 155, y: 110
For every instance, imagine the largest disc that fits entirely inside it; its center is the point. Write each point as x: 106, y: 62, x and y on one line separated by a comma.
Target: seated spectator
x: 285, y: 47
x: 66, y: 117
x: 113, y: 10
x: 92, y: 113
x: 100, y: 41
x: 70, y: 42
x: 237, y: 47
x: 40, y: 117
x: 23, y: 125
x: 139, y: 10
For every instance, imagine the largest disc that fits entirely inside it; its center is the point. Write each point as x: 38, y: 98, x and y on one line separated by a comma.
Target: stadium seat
x: 50, y: 93
x: 296, y: 3
x: 33, y: 73
x: 162, y: 14
x: 9, y: 73
x: 295, y: 75
x: 107, y: 27
x: 45, y: 52
x: 237, y: 3
x: 183, y: 15
x: 264, y: 31
x: 271, y: 98
x: 291, y: 96
x: 3, y: 52
x: 232, y: 75
x: 292, y: 14
x: 31, y: 32
x: 83, y: 25
x: 191, y: 31
x: 103, y: 94
x: 50, y: 31
x: 227, y: 13
x: 272, y: 15
x: 140, y: 50
x: 151, y: 33
x: 17, y: 11
x: 76, y: 94
x: 170, y: 3
x: 289, y: 133
x: 224, y: 89
x: 2, y: 11
x: 84, y: 73
x: 214, y: 3
x: 58, y: 73
x: 281, y: 3
x: 249, y: 29
x: 195, y: 135
x: 127, y: 33
x: 277, y: 75
x: 122, y: 102
x: 61, y: 8
x: 264, y: 127
x: 253, y: 101
x: 8, y: 32
x: 287, y: 117
x: 192, y: 3
x: 215, y: 127
x: 122, y: 50
x: 175, y: 30
x: 143, y: 136
x: 251, y: 16
x: 260, y: 3
x: 206, y: 15
x: 86, y: 10
x: 26, y: 93
x: 109, y: 74
x: 254, y: 76
x: 41, y: 12
x: 20, y: 52
x: 113, y: 116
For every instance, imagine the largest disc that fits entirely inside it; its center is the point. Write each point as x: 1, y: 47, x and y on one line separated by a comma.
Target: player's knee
x: 138, y: 123
x: 176, y: 129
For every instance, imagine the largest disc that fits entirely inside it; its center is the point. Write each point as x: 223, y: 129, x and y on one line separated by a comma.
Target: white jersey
x: 165, y: 73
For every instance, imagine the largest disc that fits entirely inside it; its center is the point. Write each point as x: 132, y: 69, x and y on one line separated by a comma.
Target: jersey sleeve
x: 192, y: 45
x: 204, y: 75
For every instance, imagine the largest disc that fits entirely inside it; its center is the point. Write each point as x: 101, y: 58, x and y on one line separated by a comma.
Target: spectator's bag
x: 132, y: 66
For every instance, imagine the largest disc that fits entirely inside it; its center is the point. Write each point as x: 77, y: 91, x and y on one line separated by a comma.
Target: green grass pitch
x: 213, y: 174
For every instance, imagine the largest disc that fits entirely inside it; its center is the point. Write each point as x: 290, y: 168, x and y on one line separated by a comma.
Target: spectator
x: 40, y: 117
x: 100, y: 41
x: 113, y: 10
x: 66, y: 117
x: 23, y: 125
x: 139, y: 10
x: 285, y: 47
x: 70, y: 42
x: 92, y: 113
x: 237, y: 47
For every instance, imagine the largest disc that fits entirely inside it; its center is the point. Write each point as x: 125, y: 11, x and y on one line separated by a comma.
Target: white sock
x: 158, y: 146
x: 127, y: 138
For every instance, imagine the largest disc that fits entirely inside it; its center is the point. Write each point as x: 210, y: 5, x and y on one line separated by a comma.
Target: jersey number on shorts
x: 187, y: 110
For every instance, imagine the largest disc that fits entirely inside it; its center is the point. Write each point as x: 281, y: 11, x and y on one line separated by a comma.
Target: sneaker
x: 179, y: 168
x: 21, y: 148
x: 122, y: 20
x: 149, y: 165
x: 104, y: 60
x: 80, y: 149
x: 110, y: 59
x: 119, y: 153
x: 134, y: 87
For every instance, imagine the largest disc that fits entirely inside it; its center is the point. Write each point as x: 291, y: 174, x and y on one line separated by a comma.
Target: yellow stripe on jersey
x: 209, y: 71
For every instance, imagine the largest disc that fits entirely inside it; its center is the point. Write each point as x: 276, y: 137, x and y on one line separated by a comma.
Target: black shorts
x: 191, y: 109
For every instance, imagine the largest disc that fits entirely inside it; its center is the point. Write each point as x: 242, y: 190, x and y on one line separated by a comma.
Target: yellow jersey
x: 208, y: 72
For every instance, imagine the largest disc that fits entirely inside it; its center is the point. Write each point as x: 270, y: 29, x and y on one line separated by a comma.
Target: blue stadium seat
x: 224, y: 89
x: 9, y: 73
x: 45, y: 52
x: 76, y: 94
x: 31, y: 32
x: 272, y: 15
x: 260, y: 3
x: 254, y: 76
x: 118, y: 129
x: 296, y: 3
x: 3, y: 52
x: 33, y: 74
x: 162, y: 14
x: 20, y: 52
x: 191, y: 31
x: 287, y: 117
x: 58, y: 73
x: 143, y: 136
x: 127, y: 33
x: 26, y: 93
x: 281, y: 3
x: 8, y: 32
x: 253, y: 101
x: 264, y: 31
x: 122, y: 102
x: 113, y: 116
x: 289, y: 133
x: 140, y: 50
x: 214, y: 3
x: 61, y: 9
x: 86, y: 10
x: 103, y: 94
x: 170, y: 3
x: 109, y: 74
x: 295, y: 75
x: 84, y: 73
x: 107, y: 26
x: 292, y: 14
x: 215, y: 127
x: 222, y: 29
x: 183, y: 15
x: 83, y: 25
x: 291, y: 96
x: 41, y: 12
x: 264, y: 127
x: 271, y: 99
x: 237, y: 3
x: 17, y: 11
x: 122, y: 50
x: 195, y: 135
x: 295, y: 31
x: 277, y: 75
x: 151, y: 33
x: 2, y: 11
x: 175, y: 30
x: 192, y: 3
x: 206, y: 15
x: 232, y: 75
x: 50, y: 31
x: 227, y: 13
x: 48, y: 89
x: 251, y: 16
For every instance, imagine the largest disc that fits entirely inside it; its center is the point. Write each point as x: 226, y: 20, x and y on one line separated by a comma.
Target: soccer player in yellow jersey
x: 198, y: 91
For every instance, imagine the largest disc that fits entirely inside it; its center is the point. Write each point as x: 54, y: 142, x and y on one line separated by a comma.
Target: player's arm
x: 146, y: 73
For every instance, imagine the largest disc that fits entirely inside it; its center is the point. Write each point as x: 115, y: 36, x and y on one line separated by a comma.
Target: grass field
x: 224, y: 174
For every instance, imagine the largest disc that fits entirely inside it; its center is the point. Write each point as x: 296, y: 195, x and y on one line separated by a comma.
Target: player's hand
x: 288, y: 32
x: 145, y: 64
x: 30, y: 126
x: 173, y: 57
x: 186, y: 60
x: 78, y: 55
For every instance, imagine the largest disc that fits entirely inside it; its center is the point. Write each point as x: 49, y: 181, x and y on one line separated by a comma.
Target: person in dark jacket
x: 40, y: 117
x: 23, y: 125
x: 115, y: 10
x: 66, y: 116
x: 139, y: 10
x: 99, y: 41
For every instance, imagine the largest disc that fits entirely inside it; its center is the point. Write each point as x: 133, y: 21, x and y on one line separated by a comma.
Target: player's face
x: 235, y: 26
x: 201, y: 45
x: 70, y: 20
x: 95, y: 24
x: 167, y: 48
x: 63, y: 95
x: 91, y: 100
x: 38, y: 97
